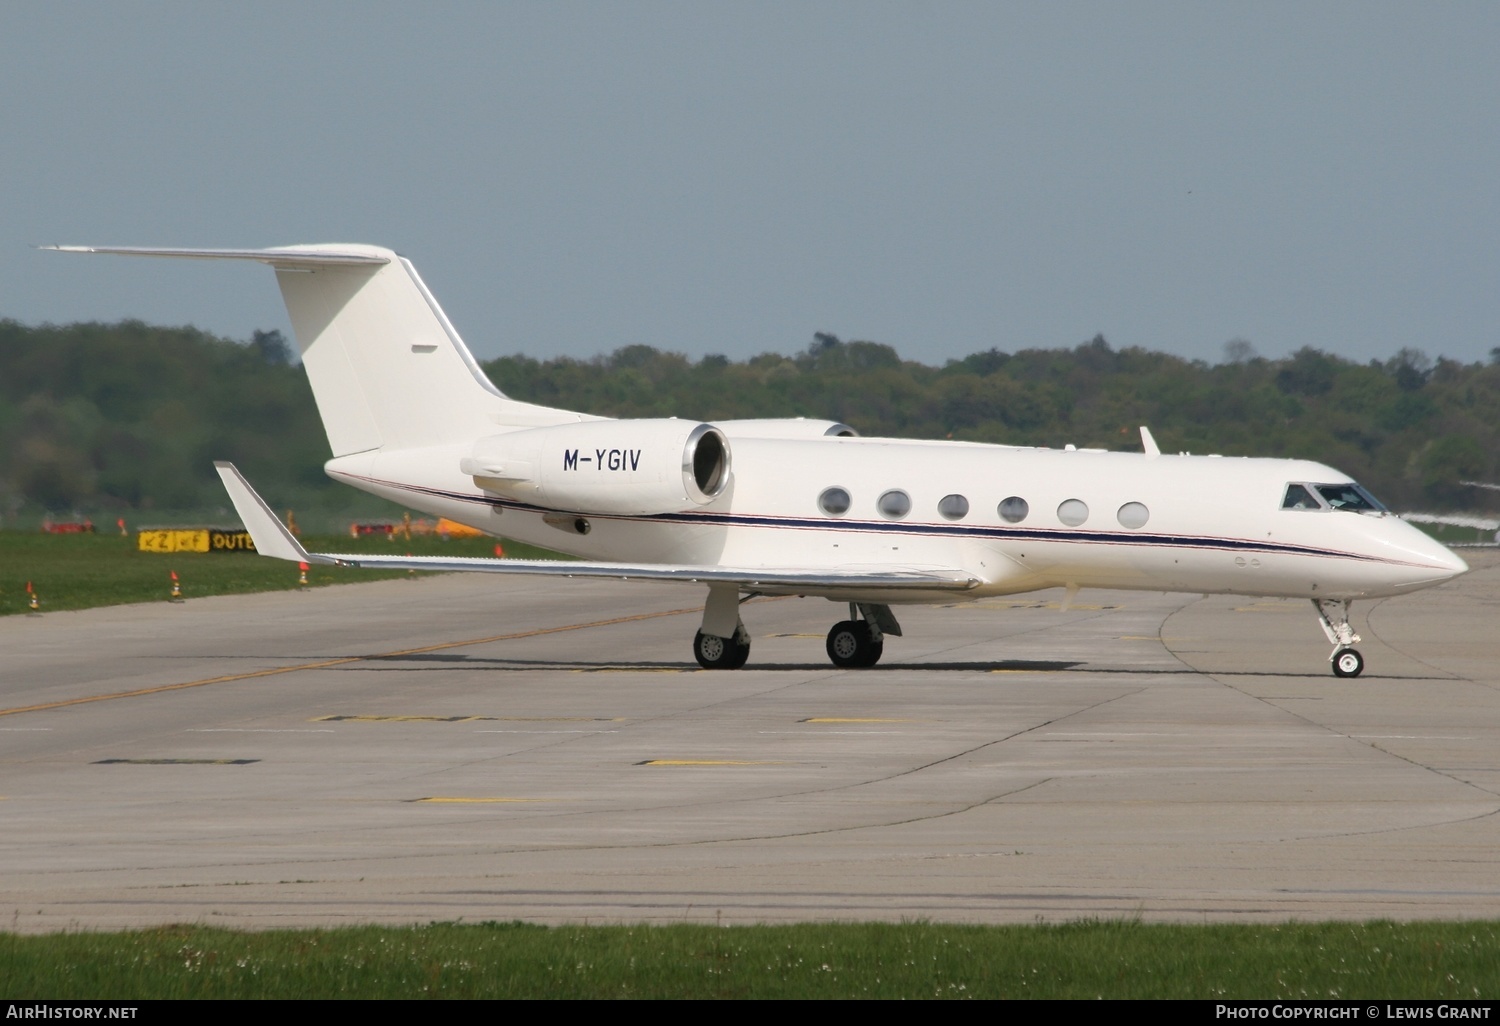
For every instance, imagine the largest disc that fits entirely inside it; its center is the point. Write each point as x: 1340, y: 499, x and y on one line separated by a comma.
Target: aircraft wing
x: 273, y: 539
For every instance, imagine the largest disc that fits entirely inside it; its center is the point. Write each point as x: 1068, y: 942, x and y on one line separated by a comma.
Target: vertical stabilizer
x: 386, y: 367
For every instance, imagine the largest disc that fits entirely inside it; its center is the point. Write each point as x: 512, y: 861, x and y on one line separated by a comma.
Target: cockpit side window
x: 1298, y: 497
x: 1350, y: 497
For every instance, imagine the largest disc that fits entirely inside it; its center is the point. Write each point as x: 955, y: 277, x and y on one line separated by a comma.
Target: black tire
x: 851, y: 647
x: 741, y: 654
x: 1348, y: 663
x: 716, y: 653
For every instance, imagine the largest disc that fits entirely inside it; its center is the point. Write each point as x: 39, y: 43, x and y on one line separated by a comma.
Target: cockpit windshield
x: 1350, y: 497
x: 1298, y: 497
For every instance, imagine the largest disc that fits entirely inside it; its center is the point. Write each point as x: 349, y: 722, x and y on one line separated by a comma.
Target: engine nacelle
x: 785, y: 427
x: 626, y: 467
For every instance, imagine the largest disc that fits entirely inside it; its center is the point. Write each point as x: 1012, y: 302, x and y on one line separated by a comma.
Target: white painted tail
x: 387, y: 368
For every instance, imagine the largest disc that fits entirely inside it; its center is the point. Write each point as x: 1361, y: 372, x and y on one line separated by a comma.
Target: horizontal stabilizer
x: 273, y: 539
x: 285, y: 256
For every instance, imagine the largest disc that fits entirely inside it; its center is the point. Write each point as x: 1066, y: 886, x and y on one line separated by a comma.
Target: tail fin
x: 386, y: 367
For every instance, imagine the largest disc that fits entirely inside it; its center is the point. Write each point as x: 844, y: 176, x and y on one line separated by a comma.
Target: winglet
x: 269, y: 534
x: 1148, y: 443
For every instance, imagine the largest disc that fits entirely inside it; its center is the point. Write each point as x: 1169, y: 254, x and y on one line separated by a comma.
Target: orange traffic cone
x: 499, y: 551
x: 302, y: 576
x: 34, y: 604
x: 176, y: 595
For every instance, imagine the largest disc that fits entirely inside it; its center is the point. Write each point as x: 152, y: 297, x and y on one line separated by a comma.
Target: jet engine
x: 785, y: 427
x: 622, y: 467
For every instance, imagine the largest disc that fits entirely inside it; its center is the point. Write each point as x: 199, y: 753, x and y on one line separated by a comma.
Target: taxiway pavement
x: 464, y: 747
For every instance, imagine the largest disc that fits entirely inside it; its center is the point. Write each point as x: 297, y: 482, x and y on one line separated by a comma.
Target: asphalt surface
x: 468, y: 748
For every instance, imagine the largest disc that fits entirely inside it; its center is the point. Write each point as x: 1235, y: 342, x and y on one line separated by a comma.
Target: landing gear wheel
x: 850, y: 645
x: 716, y: 653
x: 741, y: 654
x: 1348, y: 663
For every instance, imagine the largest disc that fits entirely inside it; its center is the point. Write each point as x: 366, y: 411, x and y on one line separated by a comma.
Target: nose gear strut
x: 1333, y: 615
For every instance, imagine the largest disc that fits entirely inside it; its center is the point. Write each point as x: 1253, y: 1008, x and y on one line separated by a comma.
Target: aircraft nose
x: 1418, y: 559
x: 1441, y: 558
x: 1454, y: 564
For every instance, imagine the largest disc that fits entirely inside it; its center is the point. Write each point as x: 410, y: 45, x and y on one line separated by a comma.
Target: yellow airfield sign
x: 194, y: 539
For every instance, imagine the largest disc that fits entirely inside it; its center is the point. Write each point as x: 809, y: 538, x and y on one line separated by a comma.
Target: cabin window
x: 1351, y: 497
x: 834, y: 501
x: 894, y: 504
x: 1073, y: 512
x: 953, y: 507
x: 1133, y: 515
x: 1013, y: 510
x: 1298, y: 497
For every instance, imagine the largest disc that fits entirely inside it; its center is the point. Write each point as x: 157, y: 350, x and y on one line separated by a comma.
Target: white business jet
x: 794, y: 507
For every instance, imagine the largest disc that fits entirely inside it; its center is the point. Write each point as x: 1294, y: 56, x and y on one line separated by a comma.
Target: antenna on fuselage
x: 1148, y: 443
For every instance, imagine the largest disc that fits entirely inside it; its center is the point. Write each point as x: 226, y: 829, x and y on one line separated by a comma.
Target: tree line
x: 127, y: 418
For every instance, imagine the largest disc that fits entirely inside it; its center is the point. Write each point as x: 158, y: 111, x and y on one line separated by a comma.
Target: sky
x: 731, y: 177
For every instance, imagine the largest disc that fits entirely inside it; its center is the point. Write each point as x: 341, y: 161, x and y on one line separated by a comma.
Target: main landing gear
x: 724, y: 644
x: 716, y: 653
x: 1333, y: 617
x: 853, y: 644
x: 858, y: 642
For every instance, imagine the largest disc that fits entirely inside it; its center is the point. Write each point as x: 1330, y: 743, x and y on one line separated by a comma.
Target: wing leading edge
x: 273, y: 539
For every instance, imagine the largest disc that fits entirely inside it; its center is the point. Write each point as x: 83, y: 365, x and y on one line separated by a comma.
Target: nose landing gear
x: 1333, y: 617
x: 1348, y: 663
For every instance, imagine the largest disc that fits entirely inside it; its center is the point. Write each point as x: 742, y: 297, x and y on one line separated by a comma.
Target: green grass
x: 1358, y: 961
x: 80, y: 571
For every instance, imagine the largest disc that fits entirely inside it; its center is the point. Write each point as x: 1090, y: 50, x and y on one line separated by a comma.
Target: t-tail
x: 387, y: 368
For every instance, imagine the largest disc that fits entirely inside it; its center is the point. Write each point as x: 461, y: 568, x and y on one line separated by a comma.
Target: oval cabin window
x: 834, y: 501
x: 894, y: 504
x: 1014, y: 509
x: 953, y: 507
x: 1133, y: 515
x: 1073, y: 512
